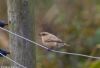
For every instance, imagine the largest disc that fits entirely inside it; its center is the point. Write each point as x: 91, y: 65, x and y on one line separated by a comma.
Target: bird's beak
x: 8, y: 52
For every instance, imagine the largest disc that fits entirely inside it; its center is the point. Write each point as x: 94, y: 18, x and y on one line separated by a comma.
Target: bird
x: 51, y: 41
x: 2, y: 24
x: 3, y: 53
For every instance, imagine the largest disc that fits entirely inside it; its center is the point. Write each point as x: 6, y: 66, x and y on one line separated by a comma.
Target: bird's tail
x: 8, y: 52
x: 6, y: 24
x: 65, y: 44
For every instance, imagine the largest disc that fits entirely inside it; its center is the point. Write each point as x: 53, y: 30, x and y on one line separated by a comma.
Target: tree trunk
x: 20, y: 17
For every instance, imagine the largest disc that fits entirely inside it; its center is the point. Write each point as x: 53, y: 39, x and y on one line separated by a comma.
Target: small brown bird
x: 51, y: 41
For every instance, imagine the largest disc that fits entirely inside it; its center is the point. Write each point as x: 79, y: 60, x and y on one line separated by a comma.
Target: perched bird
x: 2, y: 24
x: 3, y: 52
x: 51, y: 41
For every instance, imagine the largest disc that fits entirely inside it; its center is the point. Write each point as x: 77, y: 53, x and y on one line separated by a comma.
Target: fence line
x: 13, y: 61
x: 48, y: 48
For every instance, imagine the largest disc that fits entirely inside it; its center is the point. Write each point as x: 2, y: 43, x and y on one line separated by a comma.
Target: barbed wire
x: 12, y: 61
x: 48, y: 48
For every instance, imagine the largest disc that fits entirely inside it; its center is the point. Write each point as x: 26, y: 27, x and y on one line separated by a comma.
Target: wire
x: 48, y: 48
x: 13, y: 61
x: 77, y: 54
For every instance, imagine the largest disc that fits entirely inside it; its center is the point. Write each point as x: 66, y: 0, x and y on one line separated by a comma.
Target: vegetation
x: 77, y: 22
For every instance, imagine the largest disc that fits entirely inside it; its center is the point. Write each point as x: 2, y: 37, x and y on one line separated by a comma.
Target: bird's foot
x: 49, y: 49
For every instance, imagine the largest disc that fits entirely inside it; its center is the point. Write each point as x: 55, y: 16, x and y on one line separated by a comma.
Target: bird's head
x: 43, y: 34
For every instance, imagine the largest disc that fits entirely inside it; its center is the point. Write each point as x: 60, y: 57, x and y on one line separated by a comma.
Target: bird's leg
x: 51, y: 48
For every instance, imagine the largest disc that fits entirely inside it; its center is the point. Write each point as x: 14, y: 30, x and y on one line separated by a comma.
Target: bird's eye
x: 43, y: 34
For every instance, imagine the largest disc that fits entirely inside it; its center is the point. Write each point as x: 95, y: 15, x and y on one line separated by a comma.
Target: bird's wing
x: 53, y: 38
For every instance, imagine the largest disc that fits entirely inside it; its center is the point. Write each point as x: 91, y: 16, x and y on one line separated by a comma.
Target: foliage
x: 77, y: 22
x: 95, y: 64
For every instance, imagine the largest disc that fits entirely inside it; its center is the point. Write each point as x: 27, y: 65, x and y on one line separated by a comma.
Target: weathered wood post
x: 21, y: 19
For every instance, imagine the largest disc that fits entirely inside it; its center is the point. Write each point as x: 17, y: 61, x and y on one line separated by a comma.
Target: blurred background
x: 77, y: 22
